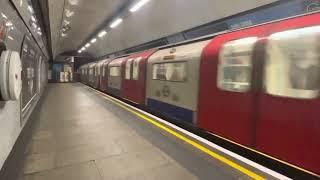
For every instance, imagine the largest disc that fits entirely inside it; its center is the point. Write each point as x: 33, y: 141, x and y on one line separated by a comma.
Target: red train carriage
x: 260, y: 88
x: 84, y: 74
x: 288, y: 125
x: 134, y: 77
x: 92, y: 74
x: 115, y: 76
x: 96, y: 76
x: 81, y: 72
x: 104, y: 75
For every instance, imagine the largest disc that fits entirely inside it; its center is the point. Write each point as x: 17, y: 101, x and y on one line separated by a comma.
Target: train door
x: 39, y: 73
x: 234, y: 79
x: 227, y: 99
x: 288, y: 126
x: 104, y: 81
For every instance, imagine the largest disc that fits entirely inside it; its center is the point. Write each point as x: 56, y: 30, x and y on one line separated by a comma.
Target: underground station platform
x: 79, y: 133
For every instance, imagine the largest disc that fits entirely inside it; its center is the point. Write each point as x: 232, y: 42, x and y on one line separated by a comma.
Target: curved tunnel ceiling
x: 156, y: 19
x: 82, y: 16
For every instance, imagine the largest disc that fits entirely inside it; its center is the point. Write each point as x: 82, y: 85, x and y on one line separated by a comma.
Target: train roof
x: 185, y: 52
x: 117, y: 61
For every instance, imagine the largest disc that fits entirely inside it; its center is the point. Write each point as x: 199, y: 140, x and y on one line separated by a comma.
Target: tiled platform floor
x: 81, y: 136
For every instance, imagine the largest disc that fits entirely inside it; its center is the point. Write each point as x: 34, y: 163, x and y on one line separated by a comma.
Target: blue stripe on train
x: 172, y: 111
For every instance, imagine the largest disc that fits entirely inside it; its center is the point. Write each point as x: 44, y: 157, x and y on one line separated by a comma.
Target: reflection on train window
x: 173, y: 71
x: 293, y: 63
x: 135, y: 71
x: 114, y: 71
x: 235, y: 65
x: 90, y: 71
x: 128, y: 68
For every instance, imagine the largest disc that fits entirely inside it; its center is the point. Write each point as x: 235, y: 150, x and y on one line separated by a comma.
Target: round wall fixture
x: 10, y: 75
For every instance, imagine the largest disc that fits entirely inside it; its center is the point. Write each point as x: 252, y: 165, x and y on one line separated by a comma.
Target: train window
x: 135, y: 71
x: 90, y: 71
x: 114, y: 71
x: 235, y: 65
x: 128, y: 68
x: 293, y: 63
x: 98, y: 70
x: 173, y: 71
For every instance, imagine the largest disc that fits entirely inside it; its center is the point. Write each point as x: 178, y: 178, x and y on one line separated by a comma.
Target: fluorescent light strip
x: 93, y: 40
x: 79, y: 51
x: 33, y: 18
x: 83, y: 48
x: 87, y: 45
x: 30, y: 9
x: 4, y: 16
x: 102, y: 33
x: 115, y: 23
x: 137, y: 6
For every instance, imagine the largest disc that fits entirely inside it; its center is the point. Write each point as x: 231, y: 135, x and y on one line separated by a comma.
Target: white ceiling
x: 158, y: 18
x: 87, y: 16
x: 161, y: 18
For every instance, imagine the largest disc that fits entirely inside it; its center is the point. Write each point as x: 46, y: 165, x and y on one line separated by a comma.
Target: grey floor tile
x: 41, y: 146
x: 85, y: 171
x: 38, y: 162
x: 169, y: 172
x: 87, y: 153
x: 83, y: 138
x: 130, y: 164
x: 42, y: 135
x: 133, y: 143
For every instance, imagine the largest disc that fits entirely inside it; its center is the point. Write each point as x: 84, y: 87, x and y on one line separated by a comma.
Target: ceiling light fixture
x: 9, y: 37
x: 69, y: 13
x: 93, y: 40
x: 102, y: 33
x: 137, y: 6
x: 66, y: 22
x: 3, y: 15
x: 34, y: 25
x: 63, y: 35
x: 74, y: 2
x: 30, y: 9
x: 33, y: 18
x: 87, y: 45
x: 8, y: 23
x: 79, y: 51
x: 83, y: 48
x: 115, y: 23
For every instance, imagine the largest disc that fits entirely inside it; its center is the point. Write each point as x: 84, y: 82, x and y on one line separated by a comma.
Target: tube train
x: 257, y: 86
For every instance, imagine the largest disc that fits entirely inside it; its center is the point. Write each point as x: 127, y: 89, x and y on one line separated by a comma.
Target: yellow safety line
x: 187, y: 140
